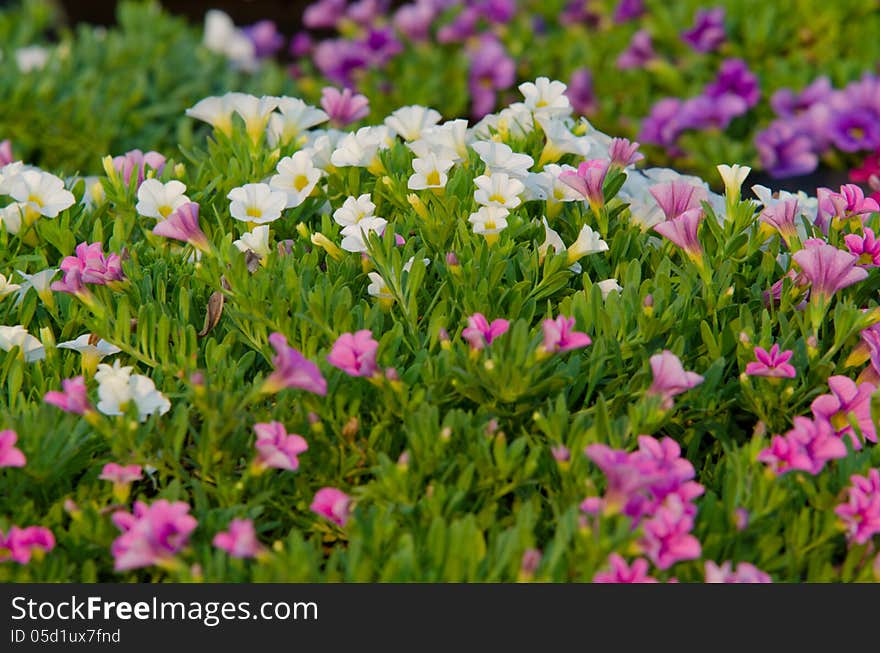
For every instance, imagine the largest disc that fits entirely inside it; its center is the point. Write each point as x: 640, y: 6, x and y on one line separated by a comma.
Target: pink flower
x: 136, y: 162
x: 622, y: 573
x: 773, y: 363
x: 152, y: 534
x: 355, y: 353
x: 847, y: 398
x: 292, y: 369
x: 782, y: 217
x: 72, y: 398
x: 121, y: 474
x: 627, y: 477
x: 827, y: 268
x: 344, y: 108
x: 745, y: 573
x: 623, y: 153
x: 667, y: 535
x: 676, y: 197
x: 9, y: 455
x: 806, y: 447
x: 333, y: 504
x: 6, y: 152
x: 276, y: 448
x: 588, y: 181
x: 670, y: 379
x: 183, y: 225
x: 682, y: 230
x: 866, y: 248
x: 861, y: 512
x: 850, y: 202
x: 19, y: 543
x: 91, y: 266
x: 559, y: 335
x: 480, y: 333
x: 560, y: 453
x: 240, y: 541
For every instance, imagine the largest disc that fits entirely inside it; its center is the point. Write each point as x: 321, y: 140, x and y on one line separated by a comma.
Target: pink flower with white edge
x: 745, y: 573
x: 20, y: 544
x: 559, y: 335
x: 152, y: 534
x: 846, y: 399
x: 10, y: 456
x: 621, y: 572
x: 276, y: 448
x: 355, y: 353
x: 333, y: 504
x: 772, y: 363
x: 240, y: 541
x: 479, y: 332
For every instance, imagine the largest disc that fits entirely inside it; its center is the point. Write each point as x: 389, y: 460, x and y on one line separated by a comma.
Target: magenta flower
x: 786, y: 103
x: 19, y: 544
x: 561, y: 453
x: 72, y: 398
x: 671, y: 474
x: 624, y: 153
x: 480, y: 333
x: 827, y: 268
x: 355, y: 353
x: 667, y: 535
x: 773, y: 363
x: 629, y: 477
x: 136, y: 163
x: 5, y: 153
x: 663, y: 125
x: 88, y: 266
x: 333, y: 504
x: 670, y: 379
x: 782, y: 217
x: 183, y: 225
x: 324, y: 14
x: 682, y: 231
x: 265, y: 37
x: 9, y: 455
x: 121, y: 474
x: 491, y: 70
x: 806, y: 447
x: 240, y: 541
x: 580, y: 92
x: 622, y: 573
x: 414, y: 20
x: 292, y: 370
x: 677, y: 197
x: 708, y: 30
x: 276, y: 448
x: 559, y: 335
x: 846, y: 399
x: 850, y: 202
x: 745, y: 573
x: 735, y: 80
x: 855, y: 130
x: 627, y: 10
x: 866, y: 248
x: 861, y: 512
x: 638, y: 53
x: 588, y: 181
x: 344, y: 108
x: 151, y: 534
x: 786, y: 150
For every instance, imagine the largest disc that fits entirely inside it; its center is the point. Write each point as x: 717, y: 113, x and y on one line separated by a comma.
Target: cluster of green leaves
x: 448, y: 457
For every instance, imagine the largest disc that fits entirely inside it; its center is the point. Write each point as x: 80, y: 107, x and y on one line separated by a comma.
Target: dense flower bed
x: 423, y: 350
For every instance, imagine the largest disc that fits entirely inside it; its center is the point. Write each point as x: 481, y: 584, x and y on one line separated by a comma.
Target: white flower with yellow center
x: 608, y: 286
x: 498, y: 190
x: 379, y: 289
x: 158, y: 200
x: 8, y: 174
x: 256, y: 203
x: 117, y: 386
x: 545, y: 97
x: 7, y: 288
x: 353, y: 210
x: 430, y: 172
x: 361, y: 149
x: 553, y: 240
x: 296, y: 177
x: 93, y: 349
x: 40, y: 282
x: 256, y: 241
x: 222, y: 36
x: 733, y: 178
x: 293, y: 118
x: 588, y: 242
x: 41, y: 193
x: 320, y: 145
x: 17, y: 336
x: 31, y: 58
x: 216, y: 111
x: 499, y: 157
x: 355, y: 236
x: 449, y: 140
x: 254, y: 112
x: 489, y: 221
x: 11, y: 216
x: 409, y: 122
x: 560, y: 141
x: 515, y: 121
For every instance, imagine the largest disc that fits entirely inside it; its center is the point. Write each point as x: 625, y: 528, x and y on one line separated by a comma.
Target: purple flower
x: 785, y: 150
x: 338, y: 59
x: 854, y: 130
x: 667, y: 535
x: 865, y: 247
x: 559, y: 335
x: 365, y: 12
x: 498, y: 12
x: 462, y: 27
x: 773, y: 364
x: 491, y: 70
x: 301, y: 45
x: 480, y: 333
x: 266, y: 38
x: 276, y: 448
x: 580, y: 92
x: 846, y: 399
x: 588, y: 181
x: 72, y: 398
x: 623, y: 153
x: 861, y: 512
x: 333, y: 504
x: 682, y: 230
x: 414, y: 20
x: 136, y: 162
x: 324, y: 14
x: 670, y: 378
x: 781, y: 216
x: 240, y: 541
x: 151, y: 535
x: 620, y: 572
x: 827, y: 268
x: 663, y: 125
x: 19, y: 544
x: 292, y: 369
x: 703, y: 112
x: 786, y: 103
x: 708, y: 30
x: 627, y: 10
x: 745, y: 573
x: 735, y: 78
x: 183, y: 225
x: 638, y: 53
x: 806, y: 447
x: 10, y: 456
x: 344, y: 107
x: 355, y: 353
x: 381, y: 46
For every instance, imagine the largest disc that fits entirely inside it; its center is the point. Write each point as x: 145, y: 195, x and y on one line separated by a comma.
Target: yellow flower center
x: 165, y: 211
x: 490, y: 224
x: 857, y: 132
x: 300, y: 182
x: 497, y: 197
x: 36, y: 199
x: 254, y: 212
x: 839, y: 421
x: 433, y: 178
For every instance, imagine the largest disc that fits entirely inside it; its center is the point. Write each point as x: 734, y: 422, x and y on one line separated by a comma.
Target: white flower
x: 7, y: 288
x: 498, y: 190
x: 588, y: 242
x: 223, y: 37
x: 560, y: 140
x: 158, y: 200
x: 256, y: 203
x: 430, y: 172
x: 807, y: 205
x: 214, y: 110
x: 31, y: 58
x: 551, y: 239
x: 41, y: 192
x: 486, y: 126
x: 498, y: 157
x: 294, y: 118
x: 599, y: 141
x: 409, y: 122
x: 8, y: 174
x: 256, y: 241
x: 320, y: 145
x: 296, y: 177
x: 361, y: 148
x: 39, y: 281
x: 377, y: 287
x: 489, y: 219
x: 608, y: 286
x: 545, y: 185
x: 355, y: 236
x: 84, y: 345
x: 11, y: 216
x: 544, y: 97
x: 353, y: 210
x: 17, y: 336
x: 254, y: 111
x: 733, y: 178
x: 408, y: 265
x: 118, y: 386
x: 449, y: 140
x: 515, y: 120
